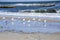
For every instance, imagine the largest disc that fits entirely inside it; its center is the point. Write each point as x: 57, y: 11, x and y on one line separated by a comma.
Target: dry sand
x: 25, y: 36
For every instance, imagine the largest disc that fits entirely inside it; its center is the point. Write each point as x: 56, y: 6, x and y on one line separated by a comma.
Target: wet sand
x: 26, y: 36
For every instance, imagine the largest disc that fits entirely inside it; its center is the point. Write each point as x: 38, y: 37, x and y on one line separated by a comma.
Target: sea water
x: 19, y: 8
x: 28, y: 26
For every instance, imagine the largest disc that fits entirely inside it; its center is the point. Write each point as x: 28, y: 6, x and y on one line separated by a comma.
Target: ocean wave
x: 18, y: 7
x: 48, y: 4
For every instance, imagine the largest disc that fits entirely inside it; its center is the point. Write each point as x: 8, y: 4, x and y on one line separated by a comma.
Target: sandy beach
x: 31, y: 36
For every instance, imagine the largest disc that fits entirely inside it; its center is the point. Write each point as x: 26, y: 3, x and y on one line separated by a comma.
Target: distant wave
x: 21, y: 4
x: 30, y: 7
